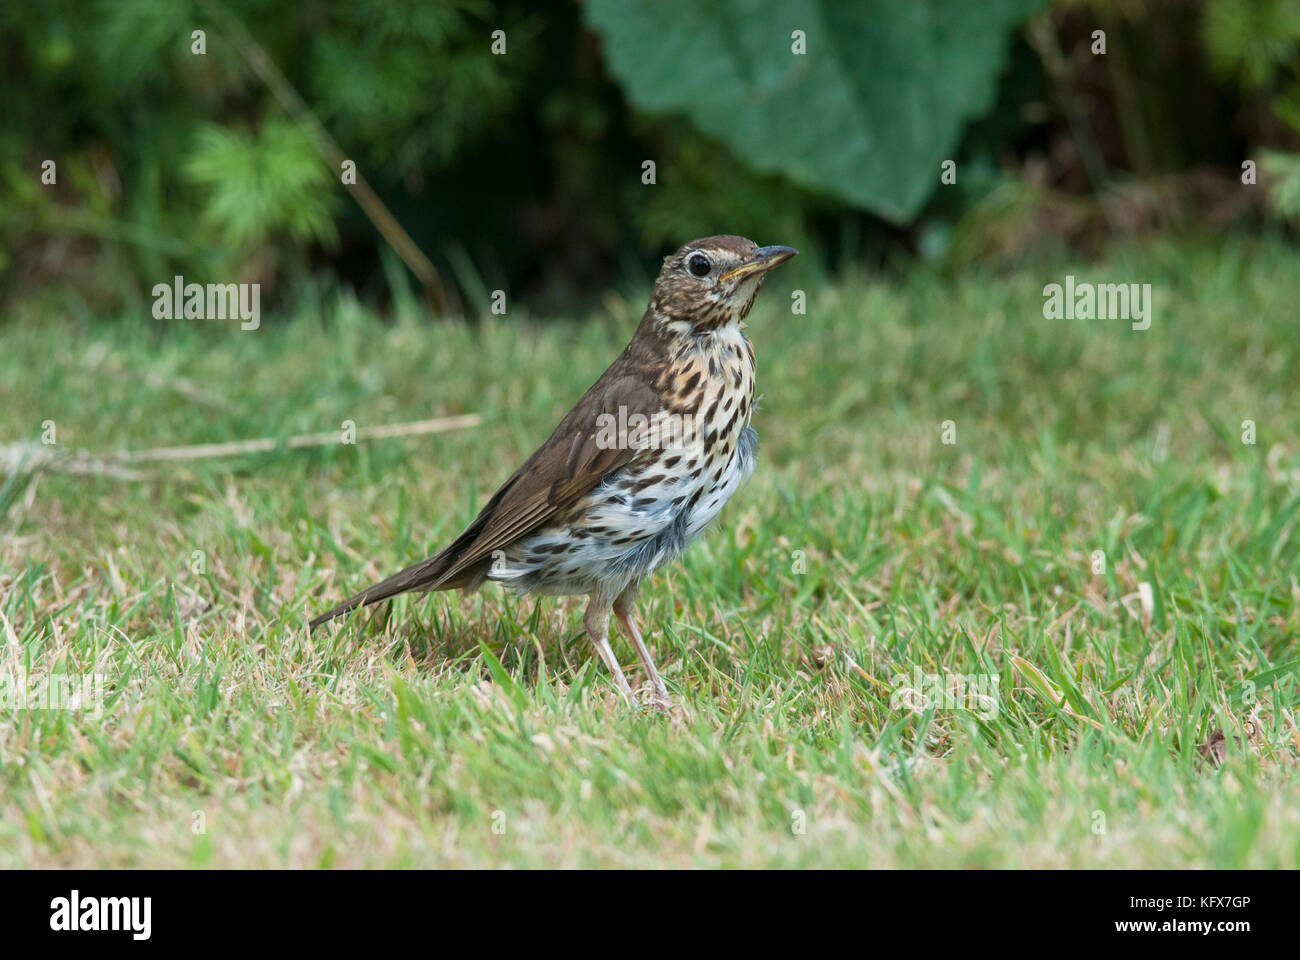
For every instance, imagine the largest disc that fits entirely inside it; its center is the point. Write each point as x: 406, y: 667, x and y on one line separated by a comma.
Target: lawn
x: 1098, y: 552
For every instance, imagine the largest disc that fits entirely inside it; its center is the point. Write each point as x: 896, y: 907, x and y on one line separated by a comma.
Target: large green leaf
x: 868, y: 113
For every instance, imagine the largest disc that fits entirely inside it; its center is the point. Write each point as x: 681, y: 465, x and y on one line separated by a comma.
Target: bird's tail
x: 428, y: 574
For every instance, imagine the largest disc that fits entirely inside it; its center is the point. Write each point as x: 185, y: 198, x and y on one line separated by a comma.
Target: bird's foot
x: 660, y: 701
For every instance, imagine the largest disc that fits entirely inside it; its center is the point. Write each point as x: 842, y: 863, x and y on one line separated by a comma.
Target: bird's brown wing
x: 569, y: 465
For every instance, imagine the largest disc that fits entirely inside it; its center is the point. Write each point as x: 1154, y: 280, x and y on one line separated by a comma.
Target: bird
x: 636, y: 471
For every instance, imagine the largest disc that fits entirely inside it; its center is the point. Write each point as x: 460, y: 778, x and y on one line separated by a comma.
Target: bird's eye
x: 698, y: 264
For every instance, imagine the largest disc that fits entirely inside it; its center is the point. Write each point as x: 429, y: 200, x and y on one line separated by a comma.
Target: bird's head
x: 712, y: 282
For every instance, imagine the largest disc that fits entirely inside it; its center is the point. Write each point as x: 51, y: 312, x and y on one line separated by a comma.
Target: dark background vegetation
x: 523, y: 172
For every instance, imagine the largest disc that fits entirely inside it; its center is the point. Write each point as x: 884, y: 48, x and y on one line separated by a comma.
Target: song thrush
x: 637, y: 469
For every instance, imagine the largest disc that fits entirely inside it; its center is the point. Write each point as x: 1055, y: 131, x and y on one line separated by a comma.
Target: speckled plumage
x: 638, y: 469
x: 647, y: 512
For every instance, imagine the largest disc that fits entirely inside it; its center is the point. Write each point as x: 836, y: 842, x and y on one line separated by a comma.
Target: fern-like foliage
x: 256, y: 186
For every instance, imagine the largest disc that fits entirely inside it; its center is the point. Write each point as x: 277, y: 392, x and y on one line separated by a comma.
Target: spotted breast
x: 692, y: 455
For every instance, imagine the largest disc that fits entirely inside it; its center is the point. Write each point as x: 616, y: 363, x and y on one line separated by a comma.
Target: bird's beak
x: 765, y: 258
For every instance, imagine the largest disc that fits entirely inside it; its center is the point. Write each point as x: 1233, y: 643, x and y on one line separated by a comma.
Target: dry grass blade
x: 30, y: 457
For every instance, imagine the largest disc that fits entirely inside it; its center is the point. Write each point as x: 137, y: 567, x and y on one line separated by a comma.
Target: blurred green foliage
x: 1254, y: 40
x: 522, y: 170
x: 1257, y: 43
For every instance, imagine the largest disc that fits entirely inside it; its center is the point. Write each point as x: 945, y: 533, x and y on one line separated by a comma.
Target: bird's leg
x: 624, y: 608
x: 596, y: 620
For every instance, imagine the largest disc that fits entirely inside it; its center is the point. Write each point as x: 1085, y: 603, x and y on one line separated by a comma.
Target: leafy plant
x: 869, y: 111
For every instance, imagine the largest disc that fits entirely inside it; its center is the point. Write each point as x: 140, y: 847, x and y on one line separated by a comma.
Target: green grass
x: 404, y: 737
